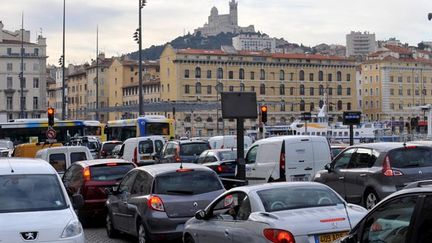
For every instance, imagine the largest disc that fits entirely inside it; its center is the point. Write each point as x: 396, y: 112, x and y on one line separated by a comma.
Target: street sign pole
x: 351, y: 135
x: 241, y: 174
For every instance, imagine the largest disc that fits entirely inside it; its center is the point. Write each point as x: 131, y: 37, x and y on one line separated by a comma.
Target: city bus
x: 140, y: 127
x: 34, y: 130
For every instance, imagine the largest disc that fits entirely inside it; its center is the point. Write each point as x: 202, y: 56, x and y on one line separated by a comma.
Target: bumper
x: 93, y: 208
x: 160, y: 227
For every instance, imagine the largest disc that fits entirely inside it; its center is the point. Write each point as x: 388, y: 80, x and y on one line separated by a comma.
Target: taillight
x: 278, y: 236
x: 156, y: 203
x: 135, y: 156
x: 86, y: 174
x: 282, y: 161
x: 220, y: 168
x: 387, y: 169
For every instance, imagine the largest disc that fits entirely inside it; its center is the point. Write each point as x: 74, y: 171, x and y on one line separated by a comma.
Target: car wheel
x: 111, y: 231
x: 370, y: 199
x: 142, y: 234
x: 188, y: 239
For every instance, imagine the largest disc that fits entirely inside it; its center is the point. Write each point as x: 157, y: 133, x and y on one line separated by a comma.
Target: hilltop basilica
x: 227, y: 23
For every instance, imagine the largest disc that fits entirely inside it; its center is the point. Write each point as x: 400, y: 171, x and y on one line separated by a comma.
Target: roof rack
x: 418, y: 184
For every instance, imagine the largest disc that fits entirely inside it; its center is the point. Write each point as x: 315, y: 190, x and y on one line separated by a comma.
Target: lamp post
x: 21, y: 76
x: 63, y: 66
x: 138, y: 38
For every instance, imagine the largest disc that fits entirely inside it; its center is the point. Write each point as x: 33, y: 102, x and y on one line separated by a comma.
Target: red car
x: 90, y: 179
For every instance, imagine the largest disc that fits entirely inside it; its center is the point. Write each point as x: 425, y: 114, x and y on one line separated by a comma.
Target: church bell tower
x: 233, y: 13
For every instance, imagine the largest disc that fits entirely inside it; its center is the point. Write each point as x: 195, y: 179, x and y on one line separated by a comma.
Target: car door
x: 357, y: 174
x: 122, y: 217
x: 251, y: 165
x: 391, y: 221
x: 423, y: 231
x: 335, y: 176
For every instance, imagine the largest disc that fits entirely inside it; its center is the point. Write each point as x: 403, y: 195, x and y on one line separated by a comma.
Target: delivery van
x: 228, y: 141
x: 63, y: 157
x: 29, y: 150
x: 142, y: 150
x: 286, y: 158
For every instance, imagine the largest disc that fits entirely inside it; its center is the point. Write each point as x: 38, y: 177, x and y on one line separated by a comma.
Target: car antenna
x: 12, y: 170
x: 181, y: 165
x: 346, y: 210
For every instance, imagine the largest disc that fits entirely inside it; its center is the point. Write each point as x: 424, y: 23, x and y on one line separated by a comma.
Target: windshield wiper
x: 181, y: 192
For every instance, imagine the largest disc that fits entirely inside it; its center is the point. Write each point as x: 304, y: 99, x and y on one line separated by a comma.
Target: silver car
x: 153, y: 202
x: 274, y: 212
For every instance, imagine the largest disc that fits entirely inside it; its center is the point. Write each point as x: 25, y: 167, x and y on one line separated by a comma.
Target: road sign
x: 351, y: 117
x: 51, y: 133
x: 306, y: 116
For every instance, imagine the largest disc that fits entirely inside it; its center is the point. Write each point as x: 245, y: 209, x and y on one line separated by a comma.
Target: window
x: 35, y: 103
x: 252, y: 75
x: 391, y: 91
x: 9, y: 51
x: 230, y: 74
x: 187, y: 89
x: 349, y: 106
x: 362, y: 158
x: 348, y: 77
x: 219, y: 73
x: 291, y: 90
x: 209, y: 74
x: 262, y: 74
x: 321, y: 90
x: 231, y: 88
x: 186, y: 74
x: 311, y: 91
x: 234, y: 206
x: 281, y: 75
x: 197, y: 72
x: 389, y: 222
x: 339, y: 76
x: 36, y: 83
x: 424, y: 221
x: 301, y: 75
x: 9, y: 84
x: 320, y: 76
x: 262, y: 89
x: 282, y: 106
x: 282, y: 89
x: 142, y: 185
x: 251, y: 155
x: 241, y: 73
x: 343, y: 159
x: 339, y: 105
x: 348, y: 91
x: 171, y: 183
x: 198, y: 88
x: 9, y: 103
x: 58, y: 161
x: 339, y: 90
x: 9, y: 67
x: 311, y: 106
x: 78, y: 156
x: 311, y: 77
x: 242, y: 87
x: 209, y: 89
x: 23, y: 102
x: 330, y: 91
x: 329, y: 77
x: 302, y: 105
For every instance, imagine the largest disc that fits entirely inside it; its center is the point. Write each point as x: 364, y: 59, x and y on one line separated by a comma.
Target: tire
x: 188, y: 239
x: 143, y: 236
x: 111, y: 231
x: 370, y: 199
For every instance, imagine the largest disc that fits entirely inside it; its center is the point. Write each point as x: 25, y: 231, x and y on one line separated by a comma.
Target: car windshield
x: 294, y: 197
x: 109, y: 172
x: 411, y: 157
x: 145, y: 147
x: 20, y: 193
x: 190, y: 149
x: 228, y: 155
x: 108, y: 147
x: 187, y: 183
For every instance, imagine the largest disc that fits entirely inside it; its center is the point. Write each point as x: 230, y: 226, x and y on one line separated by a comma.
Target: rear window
x: 228, y: 155
x: 108, y: 147
x: 187, y: 183
x: 145, y: 147
x: 78, y: 156
x: 190, y: 149
x: 58, y: 161
x: 20, y: 193
x: 411, y: 157
x: 108, y: 172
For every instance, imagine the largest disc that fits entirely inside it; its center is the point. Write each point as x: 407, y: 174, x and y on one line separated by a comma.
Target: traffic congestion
x: 138, y: 185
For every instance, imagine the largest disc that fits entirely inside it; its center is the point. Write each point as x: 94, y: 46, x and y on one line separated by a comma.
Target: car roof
x: 189, y: 141
x: 265, y: 186
x: 112, y: 141
x: 64, y: 148
x: 25, y: 166
x: 290, y: 137
x: 221, y: 150
x: 94, y: 162
x: 159, y: 169
x: 383, y: 146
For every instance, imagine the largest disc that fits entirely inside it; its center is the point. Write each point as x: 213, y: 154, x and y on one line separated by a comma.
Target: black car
x: 186, y: 151
x: 404, y: 216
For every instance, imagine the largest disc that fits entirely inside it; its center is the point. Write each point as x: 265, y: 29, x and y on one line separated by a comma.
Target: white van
x: 142, y: 150
x: 34, y: 205
x: 63, y: 157
x: 228, y: 141
x: 286, y: 158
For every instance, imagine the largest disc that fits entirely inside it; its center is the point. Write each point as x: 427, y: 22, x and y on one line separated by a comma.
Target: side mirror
x: 201, y: 215
x: 77, y: 201
x: 328, y: 167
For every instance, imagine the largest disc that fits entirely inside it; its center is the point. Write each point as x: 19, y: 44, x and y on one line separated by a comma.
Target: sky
x: 307, y: 22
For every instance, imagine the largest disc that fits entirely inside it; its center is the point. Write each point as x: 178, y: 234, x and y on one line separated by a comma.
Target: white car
x: 274, y: 212
x: 34, y: 205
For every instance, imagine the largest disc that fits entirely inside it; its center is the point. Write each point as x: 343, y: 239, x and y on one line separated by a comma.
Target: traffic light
x: 50, y: 113
x: 263, y: 110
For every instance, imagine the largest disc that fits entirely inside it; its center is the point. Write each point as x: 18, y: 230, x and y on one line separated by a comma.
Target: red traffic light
x: 264, y: 108
x: 50, y: 111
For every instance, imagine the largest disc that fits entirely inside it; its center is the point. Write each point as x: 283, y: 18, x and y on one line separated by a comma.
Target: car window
x: 425, y: 222
x: 190, y: 149
x: 390, y: 221
x: 211, y: 159
x: 58, y: 161
x: 277, y: 199
x: 158, y: 145
x: 127, y: 182
x: 108, y: 147
x: 251, y: 155
x: 202, y: 157
x: 362, y: 158
x: 142, y: 184
x: 410, y: 157
x: 187, y: 183
x: 342, y: 161
x: 120, y: 153
x: 233, y: 206
x: 78, y: 156
x: 21, y: 193
x: 145, y: 147
x: 228, y: 155
x: 109, y: 172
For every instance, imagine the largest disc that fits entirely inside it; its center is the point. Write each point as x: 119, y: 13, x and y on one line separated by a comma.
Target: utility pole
x: 141, y: 4
x: 21, y: 76
x: 63, y: 66
x: 97, y: 73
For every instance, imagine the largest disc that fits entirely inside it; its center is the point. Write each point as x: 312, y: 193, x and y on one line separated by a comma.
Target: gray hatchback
x: 366, y: 173
x: 153, y: 202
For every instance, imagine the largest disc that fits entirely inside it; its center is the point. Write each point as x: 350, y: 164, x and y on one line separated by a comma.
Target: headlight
x: 72, y: 229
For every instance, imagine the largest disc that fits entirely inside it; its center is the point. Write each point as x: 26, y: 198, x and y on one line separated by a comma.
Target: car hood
x: 48, y: 224
x: 310, y: 221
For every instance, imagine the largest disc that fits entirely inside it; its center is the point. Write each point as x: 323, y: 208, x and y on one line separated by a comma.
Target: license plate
x: 325, y: 238
x: 300, y: 178
x: 146, y: 157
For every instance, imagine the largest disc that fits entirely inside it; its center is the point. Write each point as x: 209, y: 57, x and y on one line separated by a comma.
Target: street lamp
x: 63, y: 66
x: 138, y: 38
